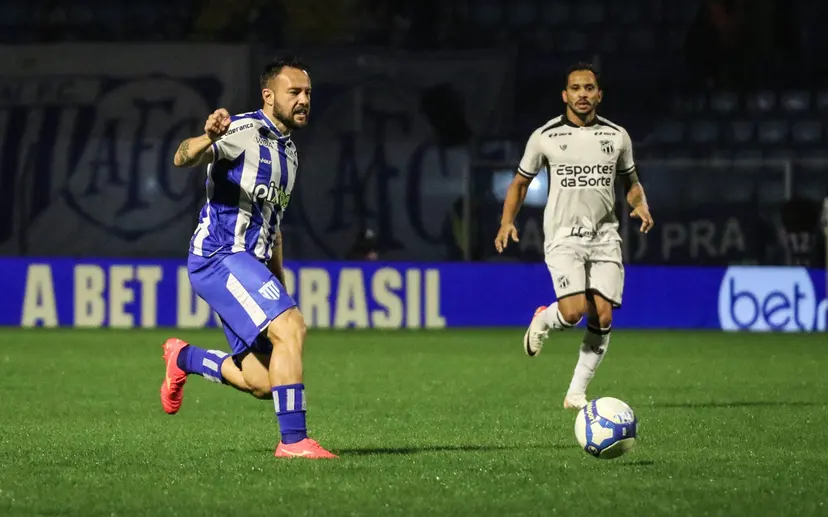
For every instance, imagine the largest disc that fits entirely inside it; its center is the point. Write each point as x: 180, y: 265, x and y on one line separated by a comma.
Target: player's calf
x: 593, y: 349
x: 254, y: 369
x: 287, y: 335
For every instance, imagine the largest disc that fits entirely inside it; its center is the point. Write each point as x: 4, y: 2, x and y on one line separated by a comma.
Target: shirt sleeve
x: 231, y: 145
x: 626, y: 163
x: 533, y: 158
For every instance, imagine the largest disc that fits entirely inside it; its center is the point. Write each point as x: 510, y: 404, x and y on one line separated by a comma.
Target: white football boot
x: 536, y: 334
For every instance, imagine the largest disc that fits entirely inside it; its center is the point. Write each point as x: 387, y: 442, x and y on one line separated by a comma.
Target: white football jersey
x: 581, y: 163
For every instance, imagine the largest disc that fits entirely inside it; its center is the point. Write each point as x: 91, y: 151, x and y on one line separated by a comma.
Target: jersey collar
x: 270, y: 124
x: 593, y: 122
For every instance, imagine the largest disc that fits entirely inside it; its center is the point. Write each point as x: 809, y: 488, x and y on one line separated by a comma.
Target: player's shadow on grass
x: 443, y: 448
x: 708, y: 405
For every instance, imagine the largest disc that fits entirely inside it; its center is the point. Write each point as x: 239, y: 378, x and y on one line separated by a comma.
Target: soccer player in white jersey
x: 235, y: 258
x: 583, y: 155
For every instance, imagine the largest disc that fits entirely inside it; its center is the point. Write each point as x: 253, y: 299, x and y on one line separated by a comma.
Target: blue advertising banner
x: 152, y: 293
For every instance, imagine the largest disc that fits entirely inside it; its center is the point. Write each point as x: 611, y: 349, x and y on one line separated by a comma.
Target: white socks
x: 553, y: 319
x: 593, y: 349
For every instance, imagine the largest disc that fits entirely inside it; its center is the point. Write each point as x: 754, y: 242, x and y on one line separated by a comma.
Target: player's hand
x: 217, y: 124
x: 642, y: 212
x: 506, y: 232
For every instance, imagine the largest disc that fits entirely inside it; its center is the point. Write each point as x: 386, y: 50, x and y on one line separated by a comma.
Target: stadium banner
x: 87, y: 137
x: 386, y: 148
x: 397, y: 295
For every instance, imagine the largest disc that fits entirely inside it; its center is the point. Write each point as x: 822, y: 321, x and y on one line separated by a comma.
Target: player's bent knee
x: 571, y: 316
x: 605, y: 317
x: 572, y: 310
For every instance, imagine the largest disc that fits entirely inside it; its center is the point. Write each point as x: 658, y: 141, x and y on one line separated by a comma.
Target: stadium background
x: 420, y: 113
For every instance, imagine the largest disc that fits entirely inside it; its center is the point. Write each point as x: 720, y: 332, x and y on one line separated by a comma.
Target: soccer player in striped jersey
x: 584, y: 154
x: 235, y: 258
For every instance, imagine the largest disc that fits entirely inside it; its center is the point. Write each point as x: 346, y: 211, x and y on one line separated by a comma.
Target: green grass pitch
x: 426, y: 423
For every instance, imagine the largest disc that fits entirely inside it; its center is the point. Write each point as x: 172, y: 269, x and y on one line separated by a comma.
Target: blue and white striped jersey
x: 248, y: 188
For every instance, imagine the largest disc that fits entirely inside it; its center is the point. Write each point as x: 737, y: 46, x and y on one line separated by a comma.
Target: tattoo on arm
x: 183, y: 151
x: 635, y: 192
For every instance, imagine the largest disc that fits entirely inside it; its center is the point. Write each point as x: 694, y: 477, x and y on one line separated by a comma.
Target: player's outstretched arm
x: 637, y: 200
x: 275, y: 264
x: 197, y: 151
x: 511, y: 206
x: 194, y: 152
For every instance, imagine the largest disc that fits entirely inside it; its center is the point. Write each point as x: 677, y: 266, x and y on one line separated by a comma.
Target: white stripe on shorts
x: 245, y: 300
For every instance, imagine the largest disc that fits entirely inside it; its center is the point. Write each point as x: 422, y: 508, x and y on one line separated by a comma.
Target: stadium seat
x: 772, y: 132
x: 822, y: 101
x: 807, y: 132
x: 721, y: 156
x: 724, y: 103
x: 796, y: 101
x: 684, y: 104
x: 703, y: 132
x: 761, y: 102
x: 668, y: 132
x: 741, y: 131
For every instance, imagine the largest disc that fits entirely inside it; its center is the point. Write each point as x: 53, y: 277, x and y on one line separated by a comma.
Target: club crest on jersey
x: 607, y: 146
x: 563, y: 147
x: 270, y: 291
x: 272, y: 193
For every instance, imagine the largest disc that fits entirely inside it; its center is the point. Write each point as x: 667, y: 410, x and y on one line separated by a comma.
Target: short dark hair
x: 275, y: 67
x: 582, y: 66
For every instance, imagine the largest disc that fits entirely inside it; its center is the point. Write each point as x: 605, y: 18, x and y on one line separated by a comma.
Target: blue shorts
x: 244, y: 293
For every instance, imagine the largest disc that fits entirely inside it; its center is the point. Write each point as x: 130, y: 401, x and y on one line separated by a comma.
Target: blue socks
x: 206, y: 363
x: 289, y: 401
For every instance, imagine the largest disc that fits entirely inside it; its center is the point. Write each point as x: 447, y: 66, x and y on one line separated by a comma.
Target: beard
x: 287, y: 118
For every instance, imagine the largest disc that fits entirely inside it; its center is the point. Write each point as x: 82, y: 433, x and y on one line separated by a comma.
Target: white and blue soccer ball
x: 606, y: 427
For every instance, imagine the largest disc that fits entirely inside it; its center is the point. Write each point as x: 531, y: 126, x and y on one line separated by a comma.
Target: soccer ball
x: 606, y: 427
